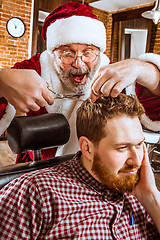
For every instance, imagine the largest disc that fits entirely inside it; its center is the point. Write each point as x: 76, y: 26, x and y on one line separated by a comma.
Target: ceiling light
x: 154, y: 14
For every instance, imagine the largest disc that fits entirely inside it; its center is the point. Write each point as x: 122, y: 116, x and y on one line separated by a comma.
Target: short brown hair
x: 92, y: 117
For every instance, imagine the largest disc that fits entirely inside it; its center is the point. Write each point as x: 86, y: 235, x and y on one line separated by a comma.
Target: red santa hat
x: 73, y: 22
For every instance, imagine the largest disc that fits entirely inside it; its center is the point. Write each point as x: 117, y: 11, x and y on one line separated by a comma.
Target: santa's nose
x: 78, y: 63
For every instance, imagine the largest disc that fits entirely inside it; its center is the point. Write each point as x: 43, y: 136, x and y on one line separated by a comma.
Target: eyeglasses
x: 69, y: 57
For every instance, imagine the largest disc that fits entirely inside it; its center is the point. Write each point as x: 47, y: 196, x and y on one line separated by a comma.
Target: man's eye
x: 68, y: 54
x: 122, y: 148
x: 139, y: 144
x: 88, y: 52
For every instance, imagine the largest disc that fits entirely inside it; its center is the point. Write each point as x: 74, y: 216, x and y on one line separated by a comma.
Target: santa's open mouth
x: 79, y: 78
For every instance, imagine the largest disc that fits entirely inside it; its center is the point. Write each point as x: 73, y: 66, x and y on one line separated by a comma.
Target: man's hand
x: 113, y: 78
x: 24, y: 89
x: 147, y: 192
x: 147, y: 184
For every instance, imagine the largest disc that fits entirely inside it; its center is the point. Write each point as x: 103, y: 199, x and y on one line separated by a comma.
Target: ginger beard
x: 76, y: 80
x: 112, y: 181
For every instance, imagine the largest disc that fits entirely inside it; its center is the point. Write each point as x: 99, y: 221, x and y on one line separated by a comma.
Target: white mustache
x: 78, y: 71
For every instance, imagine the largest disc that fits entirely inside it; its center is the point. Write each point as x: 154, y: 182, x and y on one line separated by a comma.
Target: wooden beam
x: 130, y: 14
x: 35, y: 27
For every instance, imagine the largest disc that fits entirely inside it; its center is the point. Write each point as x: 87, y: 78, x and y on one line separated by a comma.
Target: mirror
x: 135, y: 41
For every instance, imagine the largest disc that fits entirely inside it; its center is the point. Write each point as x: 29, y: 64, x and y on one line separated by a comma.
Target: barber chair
x: 152, y: 140
x: 32, y: 134
x: 51, y: 130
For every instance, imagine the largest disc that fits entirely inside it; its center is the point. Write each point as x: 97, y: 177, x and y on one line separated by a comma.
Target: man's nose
x: 134, y: 157
x: 78, y: 63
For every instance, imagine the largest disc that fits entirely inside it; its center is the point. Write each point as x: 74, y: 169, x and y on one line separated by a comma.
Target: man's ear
x: 86, y: 147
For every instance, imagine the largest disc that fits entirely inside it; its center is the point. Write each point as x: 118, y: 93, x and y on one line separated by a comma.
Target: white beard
x: 64, y: 77
x: 67, y: 107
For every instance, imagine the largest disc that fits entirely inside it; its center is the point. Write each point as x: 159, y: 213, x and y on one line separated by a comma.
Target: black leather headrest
x: 37, y: 132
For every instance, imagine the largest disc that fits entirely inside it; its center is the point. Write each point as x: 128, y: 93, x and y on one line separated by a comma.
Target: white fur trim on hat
x: 76, y: 29
x: 7, y: 118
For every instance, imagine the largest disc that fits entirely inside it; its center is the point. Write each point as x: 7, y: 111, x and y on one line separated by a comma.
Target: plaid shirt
x: 66, y: 202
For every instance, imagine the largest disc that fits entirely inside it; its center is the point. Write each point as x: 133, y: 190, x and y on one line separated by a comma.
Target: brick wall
x: 14, y: 49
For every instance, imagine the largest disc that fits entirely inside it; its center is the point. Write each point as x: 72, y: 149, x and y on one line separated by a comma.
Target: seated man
x: 107, y: 191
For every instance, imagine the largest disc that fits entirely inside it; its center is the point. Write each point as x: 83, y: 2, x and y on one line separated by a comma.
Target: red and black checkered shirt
x: 66, y: 202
